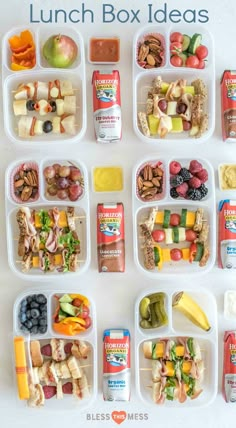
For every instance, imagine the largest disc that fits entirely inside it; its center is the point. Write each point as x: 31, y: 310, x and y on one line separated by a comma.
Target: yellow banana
x: 187, y: 306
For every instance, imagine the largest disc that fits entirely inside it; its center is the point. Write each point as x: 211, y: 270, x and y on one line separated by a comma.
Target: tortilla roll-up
x: 21, y: 368
x: 155, y: 351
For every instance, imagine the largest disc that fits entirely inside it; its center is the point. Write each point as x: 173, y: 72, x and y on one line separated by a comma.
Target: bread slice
x: 58, y: 352
x: 35, y: 352
x: 74, y: 367
x: 36, y: 396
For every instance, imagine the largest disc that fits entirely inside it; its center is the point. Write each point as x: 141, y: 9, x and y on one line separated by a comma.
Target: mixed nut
x: 26, y: 183
x: 151, y: 52
x: 150, y: 181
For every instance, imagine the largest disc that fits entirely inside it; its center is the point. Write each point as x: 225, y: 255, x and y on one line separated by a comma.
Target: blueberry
x: 35, y: 321
x: 53, y: 105
x: 24, y: 328
x: 28, y: 324
x: 41, y: 299
x: 42, y: 322
x: 43, y: 308
x: 34, y: 330
x: 23, y: 317
x: 30, y: 105
x: 28, y: 314
x: 47, y: 126
x: 29, y: 299
x: 23, y: 303
x: 44, y: 314
x: 34, y: 305
x: 35, y: 313
x: 42, y: 329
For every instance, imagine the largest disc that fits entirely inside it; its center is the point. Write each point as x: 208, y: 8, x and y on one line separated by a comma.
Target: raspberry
x: 175, y: 167
x: 194, y: 194
x: 176, y: 180
x: 185, y: 174
x: 182, y: 189
x: 173, y: 193
x: 202, y: 175
x: 49, y: 391
x: 204, y: 190
x: 67, y: 388
x: 195, y: 166
x: 46, y: 350
x: 194, y: 183
x: 67, y: 348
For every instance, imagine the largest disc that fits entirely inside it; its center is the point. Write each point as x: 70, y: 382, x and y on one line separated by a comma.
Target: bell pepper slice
x: 158, y: 256
x: 196, y: 252
x: 84, y: 299
x: 25, y: 38
x: 69, y: 320
x: 193, y: 252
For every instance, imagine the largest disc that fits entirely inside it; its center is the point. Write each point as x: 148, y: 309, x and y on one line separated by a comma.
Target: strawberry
x: 49, y: 391
x: 67, y: 348
x: 67, y: 388
x: 46, y: 350
x: 175, y: 167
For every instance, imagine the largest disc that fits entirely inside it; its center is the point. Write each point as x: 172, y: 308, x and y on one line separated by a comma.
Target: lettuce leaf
x: 191, y: 347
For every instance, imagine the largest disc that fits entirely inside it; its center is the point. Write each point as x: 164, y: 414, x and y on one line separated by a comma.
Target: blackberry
x: 203, y: 189
x: 194, y: 194
x: 176, y: 180
x: 174, y: 193
x: 185, y: 174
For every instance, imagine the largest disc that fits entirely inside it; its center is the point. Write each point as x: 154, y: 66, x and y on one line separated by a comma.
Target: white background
x: 115, y: 295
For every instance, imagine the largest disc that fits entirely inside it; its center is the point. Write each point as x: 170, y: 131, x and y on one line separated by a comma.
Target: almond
x: 140, y: 182
x: 148, y: 184
x: 19, y: 183
x: 156, y: 182
x: 150, y: 60
x: 26, y: 193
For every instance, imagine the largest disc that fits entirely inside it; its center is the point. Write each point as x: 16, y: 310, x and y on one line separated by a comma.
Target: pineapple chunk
x: 153, y: 123
x: 177, y: 124
x: 171, y: 108
x: 164, y: 87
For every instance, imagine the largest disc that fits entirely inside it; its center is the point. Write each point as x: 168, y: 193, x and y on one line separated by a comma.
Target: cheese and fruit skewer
x: 155, y: 255
x: 30, y: 126
x: 56, y: 230
x: 177, y: 369
x: 44, y: 90
x: 67, y: 105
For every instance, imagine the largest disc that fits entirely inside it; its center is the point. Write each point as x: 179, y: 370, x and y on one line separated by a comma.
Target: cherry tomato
x: 77, y: 302
x: 83, y: 312
x: 201, y: 64
x: 174, y: 219
x: 176, y: 61
x: 88, y: 322
x: 176, y: 37
x: 187, y: 125
x: 175, y: 48
x: 192, y: 61
x: 201, y: 52
x: 176, y: 254
x: 190, y: 235
x: 158, y: 235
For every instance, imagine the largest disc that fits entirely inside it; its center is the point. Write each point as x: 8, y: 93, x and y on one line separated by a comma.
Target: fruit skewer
x: 44, y: 90
x: 30, y: 126
x: 43, y: 106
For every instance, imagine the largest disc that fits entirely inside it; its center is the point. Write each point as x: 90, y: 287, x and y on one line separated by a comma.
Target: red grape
x: 64, y: 171
x: 52, y: 190
x: 62, y: 183
x: 75, y: 173
x: 162, y: 105
x: 62, y: 194
x: 75, y: 191
x: 49, y: 172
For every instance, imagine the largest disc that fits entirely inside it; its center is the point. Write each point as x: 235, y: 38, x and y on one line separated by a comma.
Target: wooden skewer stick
x: 74, y: 89
x: 21, y: 261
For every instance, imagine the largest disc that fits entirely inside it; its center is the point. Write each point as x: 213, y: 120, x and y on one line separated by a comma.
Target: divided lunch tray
x: 43, y: 201
x: 142, y: 79
x: 90, y: 337
x: 179, y: 326
x: 44, y: 73
x: 142, y: 209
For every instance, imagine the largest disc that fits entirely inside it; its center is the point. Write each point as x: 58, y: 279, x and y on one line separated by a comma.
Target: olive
x: 53, y: 105
x: 47, y: 126
x: 181, y: 108
x: 30, y: 104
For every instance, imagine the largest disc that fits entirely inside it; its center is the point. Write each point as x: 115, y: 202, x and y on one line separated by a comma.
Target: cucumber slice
x: 182, y: 234
x: 156, y: 256
x: 166, y: 220
x: 194, y: 43
x: 184, y: 57
x: 199, y: 253
x: 176, y: 235
x: 168, y: 236
x: 186, y: 42
x: 183, y: 217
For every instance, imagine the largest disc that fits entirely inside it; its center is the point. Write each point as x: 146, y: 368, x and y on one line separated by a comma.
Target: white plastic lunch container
x: 46, y: 202
x: 142, y: 209
x: 69, y: 402
x: 44, y: 73
x: 179, y: 326
x: 142, y: 80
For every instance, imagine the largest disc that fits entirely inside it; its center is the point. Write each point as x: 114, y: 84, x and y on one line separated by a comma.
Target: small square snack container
x: 164, y: 201
x: 89, y: 336
x: 46, y: 202
x: 103, y: 37
x: 179, y: 326
x: 221, y: 181
x: 143, y: 78
x: 43, y: 72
